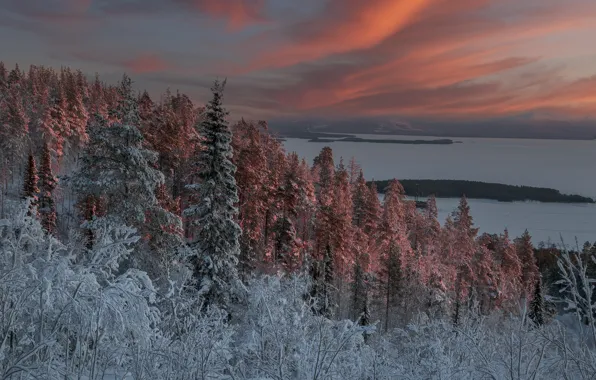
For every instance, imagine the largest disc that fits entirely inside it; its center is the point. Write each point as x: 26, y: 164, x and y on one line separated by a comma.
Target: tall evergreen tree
x: 3, y: 80
x: 14, y: 126
x: 394, y: 245
x: 324, y: 173
x: 47, y: 184
x: 252, y: 176
x: 530, y: 272
x: 462, y: 249
x: 97, y: 102
x: 59, y: 124
x: 76, y: 112
x: 117, y: 168
x: 321, y: 287
x: 536, y: 313
x: 30, y: 188
x: 212, y: 216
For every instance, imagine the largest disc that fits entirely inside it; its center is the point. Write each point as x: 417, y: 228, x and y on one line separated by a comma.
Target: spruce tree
x: 530, y: 272
x: 119, y: 173
x: 212, y: 214
x: 14, y: 126
x: 47, y: 184
x: 30, y: 189
x: 536, y: 313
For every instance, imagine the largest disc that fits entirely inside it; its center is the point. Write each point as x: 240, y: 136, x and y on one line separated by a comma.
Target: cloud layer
x: 440, y: 59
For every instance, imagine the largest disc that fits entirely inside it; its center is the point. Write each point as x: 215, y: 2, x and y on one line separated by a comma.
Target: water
x: 568, y: 166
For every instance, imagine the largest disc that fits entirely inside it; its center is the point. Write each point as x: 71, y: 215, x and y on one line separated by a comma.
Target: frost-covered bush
x: 282, y: 339
x: 60, y: 319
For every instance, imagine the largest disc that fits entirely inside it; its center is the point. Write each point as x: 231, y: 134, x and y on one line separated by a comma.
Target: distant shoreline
x: 483, y: 190
x: 383, y: 141
x: 321, y: 137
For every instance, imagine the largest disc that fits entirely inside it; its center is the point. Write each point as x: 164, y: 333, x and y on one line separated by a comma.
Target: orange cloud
x: 449, y: 57
x: 146, y: 63
x: 345, y: 25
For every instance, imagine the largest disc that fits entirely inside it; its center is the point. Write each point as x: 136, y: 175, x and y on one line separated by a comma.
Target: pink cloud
x: 146, y: 63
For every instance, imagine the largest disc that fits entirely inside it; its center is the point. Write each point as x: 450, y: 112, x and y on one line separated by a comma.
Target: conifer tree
x: 14, y: 126
x: 511, y: 269
x: 341, y: 223
x: 297, y: 198
x: 536, y: 312
x: 252, y: 177
x: 76, y: 113
x: 3, y: 80
x: 59, y: 124
x: 212, y: 216
x: 324, y: 172
x: 97, y: 101
x: 394, y: 245
x: 360, y: 201
x: 117, y: 168
x: 30, y: 188
x: 463, y: 248
x: 47, y: 184
x: 530, y: 272
x: 16, y: 76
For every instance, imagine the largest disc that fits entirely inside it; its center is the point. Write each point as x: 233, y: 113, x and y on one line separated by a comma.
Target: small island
x: 483, y: 190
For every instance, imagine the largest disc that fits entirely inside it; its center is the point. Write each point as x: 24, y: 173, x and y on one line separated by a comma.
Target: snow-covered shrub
x: 61, y: 319
x: 282, y: 339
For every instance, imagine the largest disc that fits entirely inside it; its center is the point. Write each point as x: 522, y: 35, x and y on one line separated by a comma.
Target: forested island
x: 483, y: 190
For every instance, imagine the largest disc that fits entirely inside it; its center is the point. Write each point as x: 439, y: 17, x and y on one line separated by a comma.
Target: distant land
x: 322, y: 137
x: 483, y: 190
x: 520, y: 127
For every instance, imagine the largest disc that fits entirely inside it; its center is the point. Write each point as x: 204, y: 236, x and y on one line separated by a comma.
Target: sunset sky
x: 447, y: 59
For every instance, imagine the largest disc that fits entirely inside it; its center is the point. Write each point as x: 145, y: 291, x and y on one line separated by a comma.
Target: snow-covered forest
x: 152, y: 239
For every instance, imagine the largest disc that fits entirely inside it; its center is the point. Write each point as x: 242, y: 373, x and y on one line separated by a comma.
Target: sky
x: 406, y: 59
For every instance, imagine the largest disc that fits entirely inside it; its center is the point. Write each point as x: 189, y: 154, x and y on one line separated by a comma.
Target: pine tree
x: 297, y: 199
x: 341, y: 223
x: 394, y: 245
x: 76, y: 113
x: 360, y: 197
x: 97, y: 101
x: 252, y: 177
x: 14, y: 126
x: 116, y: 167
x: 30, y: 189
x: 525, y: 253
x: 463, y: 248
x: 536, y: 313
x: 3, y: 80
x: 511, y: 270
x: 47, y: 184
x: 126, y: 111
x: 216, y: 233
x: 59, y: 124
x: 324, y: 172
